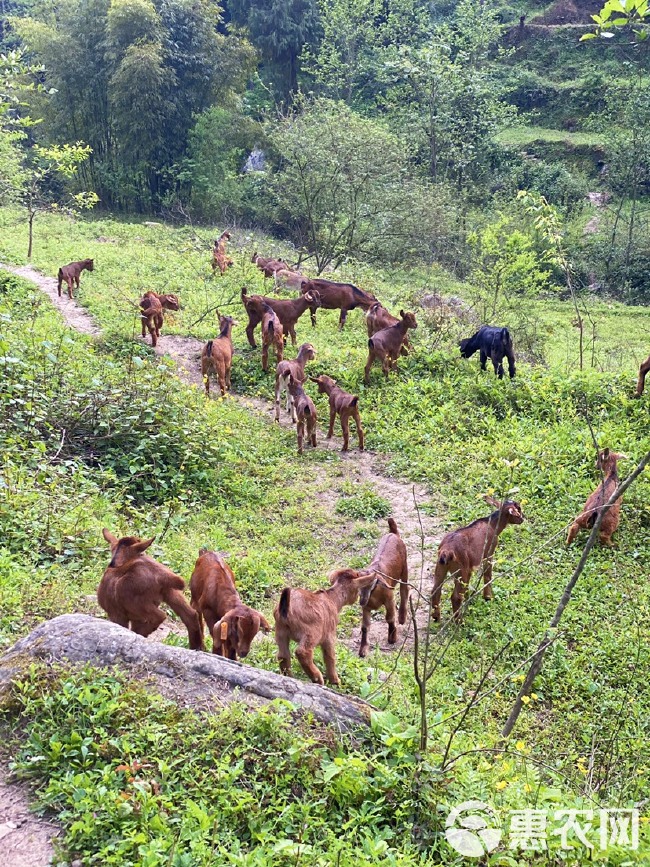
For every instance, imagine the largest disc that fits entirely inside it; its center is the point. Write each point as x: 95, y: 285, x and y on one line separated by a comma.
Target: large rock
x: 201, y: 680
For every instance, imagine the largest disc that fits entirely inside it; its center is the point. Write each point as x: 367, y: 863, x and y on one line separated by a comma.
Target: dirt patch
x: 25, y: 839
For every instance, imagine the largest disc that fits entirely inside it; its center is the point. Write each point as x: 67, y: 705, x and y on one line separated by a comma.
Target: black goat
x: 493, y: 343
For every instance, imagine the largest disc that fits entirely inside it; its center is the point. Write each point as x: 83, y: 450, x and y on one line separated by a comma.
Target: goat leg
x: 178, y: 603
x: 365, y: 623
x: 330, y: 429
x: 305, y: 656
x: 329, y: 658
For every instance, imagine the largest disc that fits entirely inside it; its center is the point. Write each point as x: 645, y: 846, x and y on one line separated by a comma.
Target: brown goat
x: 390, y: 567
x: 217, y: 356
x: 272, y: 335
x: 284, y: 371
x: 606, y: 463
x: 311, y: 619
x: 232, y: 625
x: 220, y: 259
x: 305, y: 413
x: 377, y: 318
x: 464, y: 550
x: 643, y: 370
x: 287, y: 311
x: 385, y: 345
x: 344, y: 404
x: 71, y: 273
x: 151, y: 312
x: 134, y: 586
x: 268, y: 266
x: 335, y: 296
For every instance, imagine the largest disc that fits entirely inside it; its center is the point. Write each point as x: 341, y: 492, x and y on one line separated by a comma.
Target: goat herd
x: 135, y: 585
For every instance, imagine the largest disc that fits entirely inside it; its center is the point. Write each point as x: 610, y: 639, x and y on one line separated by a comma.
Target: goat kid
x: 268, y: 266
x: 272, y: 335
x: 305, y: 412
x: 220, y: 259
x: 391, y: 568
x: 284, y: 370
x: 606, y: 463
x: 71, y: 274
x: 343, y: 404
x: 310, y: 619
x: 217, y: 356
x: 232, y: 625
x: 493, y: 343
x: 151, y: 312
x: 386, y: 345
x: 377, y: 318
x: 464, y: 550
x: 134, y: 585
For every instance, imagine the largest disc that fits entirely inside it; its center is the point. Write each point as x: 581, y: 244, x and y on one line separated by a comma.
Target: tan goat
x: 464, y: 550
x: 286, y: 369
x: 391, y: 568
x: 305, y: 413
x: 344, y: 404
x: 217, y: 356
x: 232, y: 625
x: 135, y: 585
x: 386, y: 345
x: 272, y: 336
x: 643, y: 371
x: 311, y: 619
x: 152, y: 305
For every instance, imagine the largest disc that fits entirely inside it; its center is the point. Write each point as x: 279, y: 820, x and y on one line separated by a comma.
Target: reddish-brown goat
x: 232, y: 625
x: 606, y: 463
x: 287, y: 311
x: 134, y: 586
x: 71, y: 273
x: 390, y: 567
x: 311, y: 620
x: 305, y: 413
x: 220, y: 258
x: 643, y: 370
x: 272, y: 336
x: 217, y: 356
x: 386, y: 345
x: 344, y: 404
x: 268, y: 266
x: 377, y: 318
x: 151, y: 312
x: 464, y: 550
x: 284, y: 371
x: 335, y: 296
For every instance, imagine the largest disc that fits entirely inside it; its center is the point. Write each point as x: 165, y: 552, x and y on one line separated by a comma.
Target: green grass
x: 521, y: 136
x: 233, y: 482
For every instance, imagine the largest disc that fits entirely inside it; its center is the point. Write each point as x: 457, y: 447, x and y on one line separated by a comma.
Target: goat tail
x: 354, y: 401
x: 392, y: 526
x: 591, y: 520
x: 283, y: 607
x: 208, y: 347
x: 271, y: 328
x: 445, y: 557
x: 307, y: 411
x: 505, y: 336
x: 371, y: 344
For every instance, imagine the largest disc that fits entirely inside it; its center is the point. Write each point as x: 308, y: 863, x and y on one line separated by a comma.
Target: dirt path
x: 25, y: 840
x: 419, y: 531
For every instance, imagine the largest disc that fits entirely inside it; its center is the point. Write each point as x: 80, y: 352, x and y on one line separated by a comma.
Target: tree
x: 344, y: 189
x: 279, y: 29
x: 43, y: 167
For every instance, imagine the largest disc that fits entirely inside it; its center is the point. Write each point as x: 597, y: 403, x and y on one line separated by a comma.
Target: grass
x: 233, y: 482
x: 521, y: 136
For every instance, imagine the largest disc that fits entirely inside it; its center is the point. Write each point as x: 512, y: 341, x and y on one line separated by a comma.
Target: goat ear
x: 110, y: 538
x: 605, y: 453
x: 264, y: 625
x: 492, y: 501
x: 143, y: 544
x: 402, y: 314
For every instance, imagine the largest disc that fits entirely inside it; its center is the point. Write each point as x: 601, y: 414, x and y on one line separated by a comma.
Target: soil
x: 25, y: 839
x: 569, y: 12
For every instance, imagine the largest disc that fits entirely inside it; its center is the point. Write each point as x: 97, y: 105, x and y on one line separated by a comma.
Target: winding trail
x: 420, y: 531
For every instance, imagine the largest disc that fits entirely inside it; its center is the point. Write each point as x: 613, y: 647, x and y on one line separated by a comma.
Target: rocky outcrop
x: 202, y: 680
